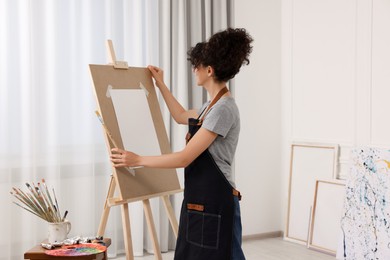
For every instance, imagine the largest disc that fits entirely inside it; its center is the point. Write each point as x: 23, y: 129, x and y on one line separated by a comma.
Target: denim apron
x: 206, y: 219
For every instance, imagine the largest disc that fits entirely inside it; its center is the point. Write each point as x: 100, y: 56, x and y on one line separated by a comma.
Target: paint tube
x: 47, y: 246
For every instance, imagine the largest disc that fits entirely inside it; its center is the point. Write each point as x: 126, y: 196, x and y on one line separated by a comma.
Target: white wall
x: 258, y: 95
x: 332, y: 86
x: 335, y: 76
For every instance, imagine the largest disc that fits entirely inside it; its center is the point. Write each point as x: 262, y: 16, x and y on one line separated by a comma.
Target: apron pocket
x: 203, y: 229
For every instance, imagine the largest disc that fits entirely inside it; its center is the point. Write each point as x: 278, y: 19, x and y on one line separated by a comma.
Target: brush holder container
x: 58, y: 231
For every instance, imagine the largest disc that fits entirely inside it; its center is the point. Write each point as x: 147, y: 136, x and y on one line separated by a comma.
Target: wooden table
x: 38, y: 252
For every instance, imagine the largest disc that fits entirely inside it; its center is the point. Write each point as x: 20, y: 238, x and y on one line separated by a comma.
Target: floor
x: 264, y: 249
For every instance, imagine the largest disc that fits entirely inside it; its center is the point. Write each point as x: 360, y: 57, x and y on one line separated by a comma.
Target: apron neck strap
x: 216, y: 98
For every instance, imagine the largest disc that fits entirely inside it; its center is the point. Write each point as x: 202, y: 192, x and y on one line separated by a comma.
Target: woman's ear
x: 210, y: 71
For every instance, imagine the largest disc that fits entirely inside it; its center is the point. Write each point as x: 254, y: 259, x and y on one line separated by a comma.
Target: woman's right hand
x: 158, y: 75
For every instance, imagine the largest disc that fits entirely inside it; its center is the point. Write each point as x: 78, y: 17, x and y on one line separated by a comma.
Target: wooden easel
x: 112, y: 201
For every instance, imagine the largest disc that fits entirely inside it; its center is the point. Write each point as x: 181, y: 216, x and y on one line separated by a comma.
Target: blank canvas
x: 135, y: 121
x: 325, y: 228
x: 308, y: 164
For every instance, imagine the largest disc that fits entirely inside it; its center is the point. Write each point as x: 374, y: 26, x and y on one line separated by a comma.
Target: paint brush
x: 50, y: 201
x: 22, y: 197
x: 38, y: 201
x: 57, y: 207
x: 65, y: 214
x: 106, y: 129
x: 41, y: 198
x: 28, y: 201
x: 25, y: 202
x: 28, y: 210
x: 41, y: 202
x: 129, y: 169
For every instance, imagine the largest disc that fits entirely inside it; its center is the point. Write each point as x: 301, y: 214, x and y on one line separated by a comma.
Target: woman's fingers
x: 117, y: 165
x: 153, y: 69
x: 117, y: 151
x: 122, y: 158
x: 117, y: 157
x: 156, y: 71
x: 116, y: 160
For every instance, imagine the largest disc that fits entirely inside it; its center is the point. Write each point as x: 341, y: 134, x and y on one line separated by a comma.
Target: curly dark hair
x: 225, y: 52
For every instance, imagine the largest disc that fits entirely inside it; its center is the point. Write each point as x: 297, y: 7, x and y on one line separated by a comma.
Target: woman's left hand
x: 122, y: 158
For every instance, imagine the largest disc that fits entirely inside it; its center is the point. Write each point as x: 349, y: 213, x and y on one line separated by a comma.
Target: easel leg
x: 152, y: 229
x: 106, y: 208
x: 127, y: 231
x: 171, y: 215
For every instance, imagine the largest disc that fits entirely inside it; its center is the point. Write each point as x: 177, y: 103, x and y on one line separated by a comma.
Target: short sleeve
x: 219, y: 119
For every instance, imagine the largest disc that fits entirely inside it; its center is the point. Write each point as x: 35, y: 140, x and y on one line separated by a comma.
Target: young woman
x: 210, y: 222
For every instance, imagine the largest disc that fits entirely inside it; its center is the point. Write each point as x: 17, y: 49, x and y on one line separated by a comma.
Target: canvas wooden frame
x: 304, y: 182
x: 326, y: 199
x: 148, y: 182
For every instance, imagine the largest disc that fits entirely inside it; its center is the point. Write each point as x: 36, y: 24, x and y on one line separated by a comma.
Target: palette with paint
x: 77, y: 250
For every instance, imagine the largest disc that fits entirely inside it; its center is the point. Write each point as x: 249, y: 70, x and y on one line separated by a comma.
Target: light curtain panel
x: 48, y: 126
x: 366, y: 213
x: 325, y: 228
x: 308, y: 163
x: 135, y: 121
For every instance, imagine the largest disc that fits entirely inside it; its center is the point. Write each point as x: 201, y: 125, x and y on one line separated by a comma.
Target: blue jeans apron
x: 207, y: 213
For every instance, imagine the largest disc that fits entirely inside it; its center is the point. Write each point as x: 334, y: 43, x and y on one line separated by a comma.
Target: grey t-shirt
x: 224, y: 120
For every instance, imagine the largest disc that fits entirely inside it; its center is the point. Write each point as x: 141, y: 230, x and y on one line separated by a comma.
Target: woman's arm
x: 198, y: 144
x: 179, y: 114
